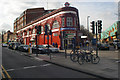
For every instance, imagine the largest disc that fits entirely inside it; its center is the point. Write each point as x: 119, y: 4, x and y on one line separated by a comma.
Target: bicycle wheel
x: 95, y: 59
x: 81, y: 59
x: 74, y: 57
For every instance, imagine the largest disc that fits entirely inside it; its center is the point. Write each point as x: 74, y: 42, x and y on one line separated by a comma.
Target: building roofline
x: 53, y: 12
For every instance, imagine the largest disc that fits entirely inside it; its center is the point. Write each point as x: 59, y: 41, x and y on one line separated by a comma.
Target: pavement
x: 106, y: 68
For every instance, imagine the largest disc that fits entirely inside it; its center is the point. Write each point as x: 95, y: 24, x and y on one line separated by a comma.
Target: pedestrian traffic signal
x: 93, y: 27
x: 99, y: 26
x: 39, y: 29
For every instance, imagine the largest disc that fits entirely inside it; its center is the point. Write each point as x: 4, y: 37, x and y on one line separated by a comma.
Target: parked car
x: 23, y: 48
x: 4, y: 45
x: 118, y: 45
x: 14, y: 45
x: 104, y: 46
x: 52, y: 48
x: 40, y: 49
x: 115, y: 42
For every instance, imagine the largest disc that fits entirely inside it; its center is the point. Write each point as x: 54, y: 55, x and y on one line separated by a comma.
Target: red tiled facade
x: 61, y: 20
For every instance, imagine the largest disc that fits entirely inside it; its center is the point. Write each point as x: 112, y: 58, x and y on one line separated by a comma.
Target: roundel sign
x: 67, y: 4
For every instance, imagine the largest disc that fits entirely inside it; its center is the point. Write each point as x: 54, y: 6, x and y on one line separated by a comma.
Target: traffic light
x: 46, y: 29
x: 64, y: 34
x: 50, y: 32
x: 99, y: 26
x: 93, y: 27
x: 39, y: 29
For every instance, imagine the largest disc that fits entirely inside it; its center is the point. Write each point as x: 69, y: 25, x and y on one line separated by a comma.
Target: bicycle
x: 74, y: 54
x: 88, y: 57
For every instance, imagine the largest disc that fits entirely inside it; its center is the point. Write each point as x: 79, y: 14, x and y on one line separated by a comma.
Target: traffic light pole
x: 36, y: 46
x: 96, y: 41
x: 65, y: 48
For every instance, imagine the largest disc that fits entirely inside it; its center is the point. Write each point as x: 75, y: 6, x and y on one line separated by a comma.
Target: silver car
x: 52, y: 48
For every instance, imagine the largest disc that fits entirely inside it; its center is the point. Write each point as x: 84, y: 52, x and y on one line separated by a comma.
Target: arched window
x: 42, y: 29
x: 48, y: 26
x: 33, y: 31
x: 55, y: 24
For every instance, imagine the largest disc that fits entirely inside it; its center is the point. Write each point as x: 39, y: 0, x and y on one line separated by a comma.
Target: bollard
x: 29, y: 50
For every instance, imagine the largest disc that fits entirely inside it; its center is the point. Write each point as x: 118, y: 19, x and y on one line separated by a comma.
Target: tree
x: 86, y: 32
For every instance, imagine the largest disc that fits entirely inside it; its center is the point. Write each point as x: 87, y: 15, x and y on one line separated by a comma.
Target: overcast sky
x: 105, y: 10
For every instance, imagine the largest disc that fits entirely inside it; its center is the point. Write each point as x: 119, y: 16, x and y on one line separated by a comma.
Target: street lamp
x: 88, y: 23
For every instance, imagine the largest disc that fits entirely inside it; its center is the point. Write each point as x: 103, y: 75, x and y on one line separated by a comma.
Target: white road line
x: 30, y: 67
x: 39, y: 59
x: 10, y: 69
x: 46, y: 65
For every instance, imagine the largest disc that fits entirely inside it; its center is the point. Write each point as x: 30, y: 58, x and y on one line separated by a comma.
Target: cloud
x: 11, y: 9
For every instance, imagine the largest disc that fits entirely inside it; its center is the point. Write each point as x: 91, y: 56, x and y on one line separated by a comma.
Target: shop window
x: 55, y: 24
x: 69, y: 21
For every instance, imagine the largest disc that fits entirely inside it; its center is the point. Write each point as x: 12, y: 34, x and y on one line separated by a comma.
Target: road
x: 20, y: 66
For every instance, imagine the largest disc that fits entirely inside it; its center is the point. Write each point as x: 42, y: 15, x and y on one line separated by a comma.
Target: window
x: 33, y: 31
x: 63, y: 22
x: 23, y: 33
x: 42, y: 29
x: 69, y: 21
x: 55, y: 34
x: 75, y: 22
x: 48, y: 26
x: 28, y: 32
x: 55, y: 24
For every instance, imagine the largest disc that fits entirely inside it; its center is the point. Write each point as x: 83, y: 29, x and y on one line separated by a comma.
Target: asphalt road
x: 20, y: 66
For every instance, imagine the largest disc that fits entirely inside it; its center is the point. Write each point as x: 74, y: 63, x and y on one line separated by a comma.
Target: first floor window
x: 69, y: 21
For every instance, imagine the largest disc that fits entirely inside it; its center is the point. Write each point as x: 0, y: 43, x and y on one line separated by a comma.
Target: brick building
x: 61, y: 22
x: 28, y: 16
x: 8, y: 36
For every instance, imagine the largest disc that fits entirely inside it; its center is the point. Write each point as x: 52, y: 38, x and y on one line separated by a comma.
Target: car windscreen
x: 17, y: 44
x: 41, y: 46
x: 25, y: 45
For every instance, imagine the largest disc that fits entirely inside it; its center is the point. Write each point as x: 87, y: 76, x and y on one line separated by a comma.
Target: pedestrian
x: 53, y: 44
x: 56, y: 45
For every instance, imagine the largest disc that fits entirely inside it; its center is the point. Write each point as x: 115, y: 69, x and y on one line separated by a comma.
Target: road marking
x: 6, y: 72
x: 46, y: 65
x: 10, y: 69
x: 2, y: 73
x: 30, y: 67
x: 39, y: 59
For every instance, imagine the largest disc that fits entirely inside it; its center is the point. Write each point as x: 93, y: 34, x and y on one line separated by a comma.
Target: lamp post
x: 88, y: 23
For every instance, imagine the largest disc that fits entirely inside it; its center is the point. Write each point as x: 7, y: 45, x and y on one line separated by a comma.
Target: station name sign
x: 62, y: 29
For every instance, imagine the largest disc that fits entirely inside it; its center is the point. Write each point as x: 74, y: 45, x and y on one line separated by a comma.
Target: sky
x: 105, y: 10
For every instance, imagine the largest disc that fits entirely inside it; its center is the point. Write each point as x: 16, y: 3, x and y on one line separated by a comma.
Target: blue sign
x: 67, y: 28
